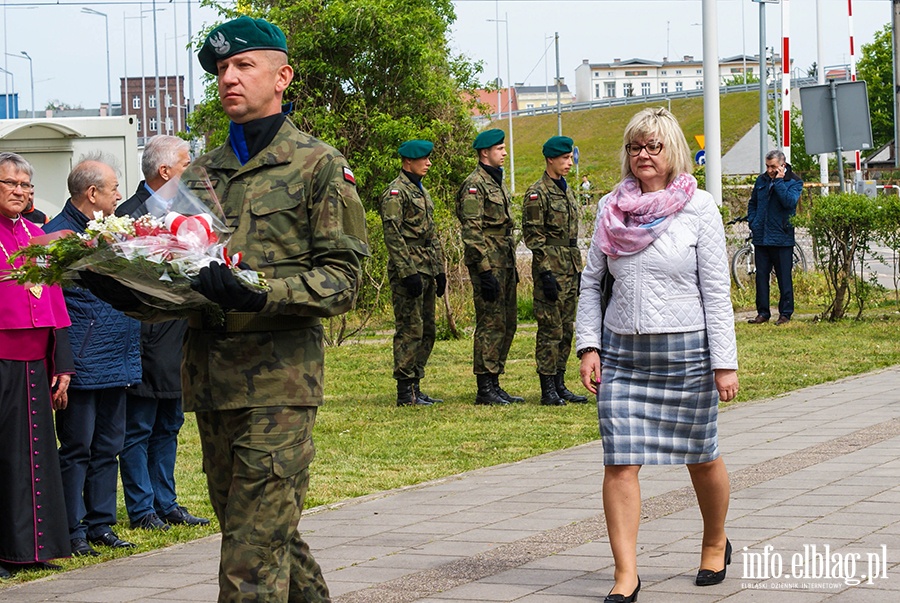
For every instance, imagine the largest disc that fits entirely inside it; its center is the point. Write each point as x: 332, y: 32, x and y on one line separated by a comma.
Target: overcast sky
x: 69, y: 50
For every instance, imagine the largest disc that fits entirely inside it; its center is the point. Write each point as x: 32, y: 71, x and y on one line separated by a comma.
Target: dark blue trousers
x: 91, y: 431
x: 148, y: 458
x: 782, y: 260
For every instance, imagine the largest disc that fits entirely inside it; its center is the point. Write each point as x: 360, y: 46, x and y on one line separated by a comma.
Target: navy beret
x: 237, y: 36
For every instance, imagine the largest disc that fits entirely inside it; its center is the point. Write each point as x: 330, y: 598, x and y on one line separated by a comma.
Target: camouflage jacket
x: 409, y: 234
x: 482, y: 207
x: 296, y: 216
x: 550, y: 228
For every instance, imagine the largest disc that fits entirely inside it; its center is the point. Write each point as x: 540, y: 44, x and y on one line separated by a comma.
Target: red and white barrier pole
x: 858, y: 165
x: 786, y: 79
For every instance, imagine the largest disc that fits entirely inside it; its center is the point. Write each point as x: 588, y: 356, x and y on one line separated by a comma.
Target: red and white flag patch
x: 473, y: 190
x: 348, y: 176
x: 394, y: 192
x: 533, y: 196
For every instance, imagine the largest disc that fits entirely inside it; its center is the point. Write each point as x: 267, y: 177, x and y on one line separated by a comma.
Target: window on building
x: 678, y: 72
x: 151, y: 102
x: 136, y: 102
x: 627, y: 90
x: 139, y: 125
x: 645, y: 88
x: 698, y: 84
x: 596, y: 74
x: 529, y: 106
x: 152, y: 124
x: 663, y: 72
x: 664, y: 87
x: 679, y: 86
x: 610, y: 89
x: 168, y: 100
x: 596, y: 90
x: 699, y: 72
x: 642, y: 72
x: 609, y: 74
x: 168, y: 124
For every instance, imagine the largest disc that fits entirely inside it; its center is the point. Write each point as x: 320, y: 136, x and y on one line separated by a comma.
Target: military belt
x: 246, y: 322
x: 418, y: 242
x: 563, y: 242
x: 502, y: 231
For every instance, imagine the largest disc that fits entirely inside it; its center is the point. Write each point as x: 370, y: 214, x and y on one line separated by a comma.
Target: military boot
x: 495, y: 381
x: 486, y: 392
x: 420, y: 395
x: 564, y: 392
x: 406, y: 394
x: 549, y: 396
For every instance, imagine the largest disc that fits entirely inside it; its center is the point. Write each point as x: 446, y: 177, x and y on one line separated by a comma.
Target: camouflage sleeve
x: 533, y: 228
x: 392, y: 202
x: 338, y: 245
x: 438, y: 254
x: 470, y: 209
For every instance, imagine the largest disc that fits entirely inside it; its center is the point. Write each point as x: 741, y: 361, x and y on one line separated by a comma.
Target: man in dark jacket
x: 153, y: 412
x: 772, y: 205
x: 107, y: 359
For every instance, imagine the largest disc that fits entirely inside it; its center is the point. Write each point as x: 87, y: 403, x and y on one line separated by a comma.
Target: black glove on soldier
x: 218, y: 284
x: 440, y: 284
x: 109, y: 290
x: 412, y: 284
x: 490, y: 286
x: 549, y: 286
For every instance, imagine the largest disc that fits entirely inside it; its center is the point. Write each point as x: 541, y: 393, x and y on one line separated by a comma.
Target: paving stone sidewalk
x: 815, y: 509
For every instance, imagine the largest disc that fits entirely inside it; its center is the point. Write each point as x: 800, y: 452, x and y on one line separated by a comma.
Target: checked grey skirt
x: 657, y: 402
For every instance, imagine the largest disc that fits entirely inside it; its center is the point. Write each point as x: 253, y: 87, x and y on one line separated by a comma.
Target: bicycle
x: 743, y: 262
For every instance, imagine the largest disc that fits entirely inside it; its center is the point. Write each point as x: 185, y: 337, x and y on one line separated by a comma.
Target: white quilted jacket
x: 679, y: 283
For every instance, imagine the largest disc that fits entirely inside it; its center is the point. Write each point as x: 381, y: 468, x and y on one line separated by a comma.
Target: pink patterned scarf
x: 630, y: 220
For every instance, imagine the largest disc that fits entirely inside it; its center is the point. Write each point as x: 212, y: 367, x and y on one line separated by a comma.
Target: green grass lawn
x: 366, y: 444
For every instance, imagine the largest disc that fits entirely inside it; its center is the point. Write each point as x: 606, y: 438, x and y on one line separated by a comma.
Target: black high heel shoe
x: 709, y: 577
x: 619, y: 598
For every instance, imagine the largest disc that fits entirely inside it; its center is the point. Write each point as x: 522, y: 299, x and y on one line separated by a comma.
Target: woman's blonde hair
x: 661, y: 125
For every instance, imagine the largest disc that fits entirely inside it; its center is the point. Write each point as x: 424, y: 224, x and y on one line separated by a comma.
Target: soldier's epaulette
x: 472, y: 190
x: 394, y: 192
x: 348, y: 176
x: 533, y: 196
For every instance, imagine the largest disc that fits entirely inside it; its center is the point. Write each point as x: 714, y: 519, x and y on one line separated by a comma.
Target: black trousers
x: 782, y: 260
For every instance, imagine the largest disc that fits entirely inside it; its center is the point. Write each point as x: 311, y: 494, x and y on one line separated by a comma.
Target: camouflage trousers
x: 556, y: 324
x: 413, y: 328
x: 495, y: 322
x: 257, y: 468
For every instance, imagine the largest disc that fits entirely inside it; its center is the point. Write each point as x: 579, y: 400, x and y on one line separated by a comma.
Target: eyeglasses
x: 653, y: 148
x: 14, y: 184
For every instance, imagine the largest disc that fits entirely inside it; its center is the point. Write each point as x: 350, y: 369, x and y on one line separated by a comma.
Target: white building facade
x: 643, y: 77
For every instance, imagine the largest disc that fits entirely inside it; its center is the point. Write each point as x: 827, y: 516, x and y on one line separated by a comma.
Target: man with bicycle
x: 772, y: 205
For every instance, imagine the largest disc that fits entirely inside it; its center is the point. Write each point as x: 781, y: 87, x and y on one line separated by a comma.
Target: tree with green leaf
x: 368, y: 75
x: 875, y: 67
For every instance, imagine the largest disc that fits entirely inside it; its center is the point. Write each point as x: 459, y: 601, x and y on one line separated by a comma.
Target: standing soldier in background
x: 550, y: 227
x: 415, y: 269
x: 482, y: 206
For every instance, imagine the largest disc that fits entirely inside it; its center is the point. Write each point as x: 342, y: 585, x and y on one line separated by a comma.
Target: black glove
x: 490, y: 286
x: 549, y: 286
x: 218, y: 284
x: 440, y: 284
x: 412, y: 284
x: 109, y: 290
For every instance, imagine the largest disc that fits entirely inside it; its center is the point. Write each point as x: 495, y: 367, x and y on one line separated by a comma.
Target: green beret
x: 237, y: 36
x: 557, y: 145
x: 488, y: 138
x: 415, y: 149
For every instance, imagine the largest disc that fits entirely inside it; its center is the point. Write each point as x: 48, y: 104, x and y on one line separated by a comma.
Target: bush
x: 842, y: 227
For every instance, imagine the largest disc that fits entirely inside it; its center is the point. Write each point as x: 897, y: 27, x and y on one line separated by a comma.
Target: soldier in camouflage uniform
x: 482, y: 206
x: 415, y: 270
x: 550, y: 217
x: 255, y: 381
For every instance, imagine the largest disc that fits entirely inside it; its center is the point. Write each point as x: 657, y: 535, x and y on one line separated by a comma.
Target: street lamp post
x: 91, y: 11
x: 30, y: 73
x: 509, y: 89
